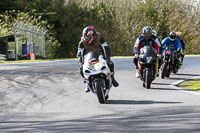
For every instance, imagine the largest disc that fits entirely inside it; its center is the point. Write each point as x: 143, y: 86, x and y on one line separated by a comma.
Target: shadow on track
x: 164, y: 89
x: 184, y: 74
x: 179, y: 78
x: 161, y: 83
x: 179, y: 119
x: 138, y: 102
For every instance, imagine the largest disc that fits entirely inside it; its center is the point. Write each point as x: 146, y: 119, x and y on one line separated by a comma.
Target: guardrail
x: 2, y: 57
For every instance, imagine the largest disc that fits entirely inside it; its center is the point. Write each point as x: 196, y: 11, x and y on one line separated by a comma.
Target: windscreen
x: 148, y: 51
x: 91, y: 56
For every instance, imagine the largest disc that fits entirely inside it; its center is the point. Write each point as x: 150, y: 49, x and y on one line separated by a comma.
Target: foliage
x: 70, y: 21
x: 9, y: 18
x: 120, y: 22
x: 166, y: 16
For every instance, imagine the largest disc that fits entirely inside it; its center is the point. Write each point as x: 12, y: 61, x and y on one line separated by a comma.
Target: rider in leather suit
x: 92, y: 41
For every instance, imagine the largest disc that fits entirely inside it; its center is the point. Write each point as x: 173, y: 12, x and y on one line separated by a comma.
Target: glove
x: 136, y: 56
x: 109, y: 61
x: 182, y: 52
x: 79, y: 61
x: 178, y: 51
x: 159, y: 56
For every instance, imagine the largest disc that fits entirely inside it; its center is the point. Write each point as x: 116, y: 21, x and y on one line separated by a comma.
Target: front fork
x: 89, y: 85
x: 107, y: 83
x: 156, y: 67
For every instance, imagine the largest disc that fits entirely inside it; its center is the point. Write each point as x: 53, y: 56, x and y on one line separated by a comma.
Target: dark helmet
x: 172, y: 36
x: 89, y: 33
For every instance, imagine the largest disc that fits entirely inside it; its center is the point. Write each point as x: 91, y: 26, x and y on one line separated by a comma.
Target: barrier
x: 2, y: 57
x: 32, y: 56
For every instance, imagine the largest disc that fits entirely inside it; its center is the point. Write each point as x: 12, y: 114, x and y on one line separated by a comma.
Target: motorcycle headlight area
x: 148, y: 59
x: 95, y: 67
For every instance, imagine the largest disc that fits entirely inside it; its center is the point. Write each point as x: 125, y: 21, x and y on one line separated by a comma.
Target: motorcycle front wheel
x: 99, y: 88
x: 164, y: 70
x: 148, y: 78
x: 175, y: 68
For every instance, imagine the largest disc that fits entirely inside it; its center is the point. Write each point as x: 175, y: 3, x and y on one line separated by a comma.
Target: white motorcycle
x: 97, y: 75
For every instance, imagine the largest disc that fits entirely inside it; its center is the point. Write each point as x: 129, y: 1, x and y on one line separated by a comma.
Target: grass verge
x: 37, y: 60
x: 191, y: 84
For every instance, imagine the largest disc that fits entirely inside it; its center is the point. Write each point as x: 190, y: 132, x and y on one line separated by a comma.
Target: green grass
x: 41, y: 60
x: 37, y: 60
x: 192, y: 84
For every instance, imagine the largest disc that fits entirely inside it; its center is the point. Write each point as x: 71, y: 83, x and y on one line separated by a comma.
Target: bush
x: 120, y: 22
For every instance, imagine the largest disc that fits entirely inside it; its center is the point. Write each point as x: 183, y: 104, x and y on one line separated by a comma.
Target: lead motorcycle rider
x: 92, y: 41
x: 145, y: 39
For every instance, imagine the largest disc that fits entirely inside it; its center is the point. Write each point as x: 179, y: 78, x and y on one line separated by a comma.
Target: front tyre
x: 148, y: 78
x: 175, y: 68
x: 100, y: 91
x: 164, y: 71
x: 175, y: 71
x: 169, y: 70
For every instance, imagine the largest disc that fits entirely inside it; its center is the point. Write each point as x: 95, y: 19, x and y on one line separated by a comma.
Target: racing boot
x: 114, y: 82
x: 87, y: 89
x: 137, y: 73
x: 181, y: 63
x: 83, y: 80
x: 157, y: 74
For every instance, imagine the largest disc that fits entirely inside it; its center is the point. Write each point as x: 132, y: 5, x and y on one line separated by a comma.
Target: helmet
x: 155, y: 33
x: 179, y: 34
x: 172, y: 36
x: 89, y: 33
x: 147, y: 31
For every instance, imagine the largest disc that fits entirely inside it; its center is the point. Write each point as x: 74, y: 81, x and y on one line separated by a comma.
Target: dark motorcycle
x: 147, y: 63
x: 171, y: 63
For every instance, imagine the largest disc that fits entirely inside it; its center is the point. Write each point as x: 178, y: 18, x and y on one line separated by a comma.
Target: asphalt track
x: 50, y: 97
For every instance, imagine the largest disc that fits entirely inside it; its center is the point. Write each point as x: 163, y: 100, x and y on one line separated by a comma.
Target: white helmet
x: 155, y: 33
x: 147, y: 30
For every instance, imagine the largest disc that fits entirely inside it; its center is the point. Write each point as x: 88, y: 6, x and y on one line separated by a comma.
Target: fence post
x: 31, y: 33
x: 44, y: 37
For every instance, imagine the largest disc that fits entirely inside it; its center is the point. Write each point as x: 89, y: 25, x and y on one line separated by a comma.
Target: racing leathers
x: 183, y: 50
x: 153, y: 37
x: 99, y: 46
x: 160, y: 50
x: 172, y: 45
x: 141, y: 41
